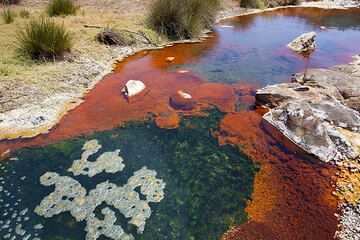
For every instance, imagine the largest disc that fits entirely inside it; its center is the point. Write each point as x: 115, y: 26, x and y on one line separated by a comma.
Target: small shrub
x: 292, y: 2
x: 24, y: 13
x: 8, y: 15
x: 181, y: 19
x: 44, y: 39
x: 61, y: 8
x: 110, y: 36
x: 8, y: 2
x: 248, y: 3
x: 261, y: 5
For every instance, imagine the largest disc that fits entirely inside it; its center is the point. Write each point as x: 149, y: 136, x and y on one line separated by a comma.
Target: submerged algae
x: 207, y: 185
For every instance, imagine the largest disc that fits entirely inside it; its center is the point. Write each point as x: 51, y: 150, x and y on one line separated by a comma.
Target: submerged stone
x: 38, y: 226
x: 182, y: 101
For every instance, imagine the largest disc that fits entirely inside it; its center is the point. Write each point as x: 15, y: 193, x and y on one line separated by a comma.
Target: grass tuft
x: 43, y: 39
x: 24, y: 13
x: 8, y: 16
x: 182, y: 19
x: 61, y: 8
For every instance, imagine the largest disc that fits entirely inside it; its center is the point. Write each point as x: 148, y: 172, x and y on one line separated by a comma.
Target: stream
x: 141, y: 169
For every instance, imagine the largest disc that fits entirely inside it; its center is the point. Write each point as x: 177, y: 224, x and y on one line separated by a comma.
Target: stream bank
x: 319, y: 112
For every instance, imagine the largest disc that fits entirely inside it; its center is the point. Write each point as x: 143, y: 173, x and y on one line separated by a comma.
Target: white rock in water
x: 303, y: 43
x: 170, y: 59
x: 133, y: 87
x: 184, y: 95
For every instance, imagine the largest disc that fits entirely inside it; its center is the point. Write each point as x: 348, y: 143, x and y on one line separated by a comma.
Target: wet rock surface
x: 319, y: 112
x: 133, y: 87
x: 182, y: 101
x: 304, y: 43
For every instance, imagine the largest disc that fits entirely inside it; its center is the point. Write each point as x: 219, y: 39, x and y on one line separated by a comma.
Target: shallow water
x: 252, y: 49
x: 207, y: 185
x: 209, y: 181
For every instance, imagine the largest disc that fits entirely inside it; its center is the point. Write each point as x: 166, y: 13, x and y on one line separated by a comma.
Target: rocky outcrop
x: 304, y: 43
x: 320, y: 112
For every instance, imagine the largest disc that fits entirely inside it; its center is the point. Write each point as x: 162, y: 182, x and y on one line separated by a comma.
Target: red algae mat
x: 292, y: 196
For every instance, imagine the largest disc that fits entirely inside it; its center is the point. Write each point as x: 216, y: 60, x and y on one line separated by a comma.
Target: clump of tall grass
x: 8, y: 2
x: 61, y: 8
x: 182, y: 19
x: 43, y: 39
x: 8, y: 15
x: 24, y: 13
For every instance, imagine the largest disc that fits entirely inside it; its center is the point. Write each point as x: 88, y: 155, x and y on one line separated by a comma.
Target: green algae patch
x: 207, y: 185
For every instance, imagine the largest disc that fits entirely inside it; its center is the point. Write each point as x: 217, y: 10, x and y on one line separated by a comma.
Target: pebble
x: 27, y: 237
x: 24, y: 211
x: 38, y: 226
x: 19, y: 231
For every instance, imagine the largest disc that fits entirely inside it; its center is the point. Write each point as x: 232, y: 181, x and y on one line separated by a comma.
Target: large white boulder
x: 133, y: 87
x: 304, y: 43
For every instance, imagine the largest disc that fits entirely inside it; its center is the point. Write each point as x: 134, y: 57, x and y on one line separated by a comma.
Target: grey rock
x: 304, y: 43
x: 319, y: 112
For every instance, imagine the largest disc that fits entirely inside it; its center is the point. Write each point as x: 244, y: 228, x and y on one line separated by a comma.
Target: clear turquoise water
x: 207, y: 185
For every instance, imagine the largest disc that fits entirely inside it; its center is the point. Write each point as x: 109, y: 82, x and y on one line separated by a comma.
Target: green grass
x: 24, y: 13
x: 43, y: 39
x: 8, y: 16
x: 182, y: 19
x: 61, y: 8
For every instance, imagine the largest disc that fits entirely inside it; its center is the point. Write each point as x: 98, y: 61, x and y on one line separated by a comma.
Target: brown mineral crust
x: 168, y: 120
x: 292, y: 196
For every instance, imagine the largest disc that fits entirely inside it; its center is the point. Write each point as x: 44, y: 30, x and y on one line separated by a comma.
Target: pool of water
x: 252, y: 49
x: 205, y: 159
x: 207, y: 185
